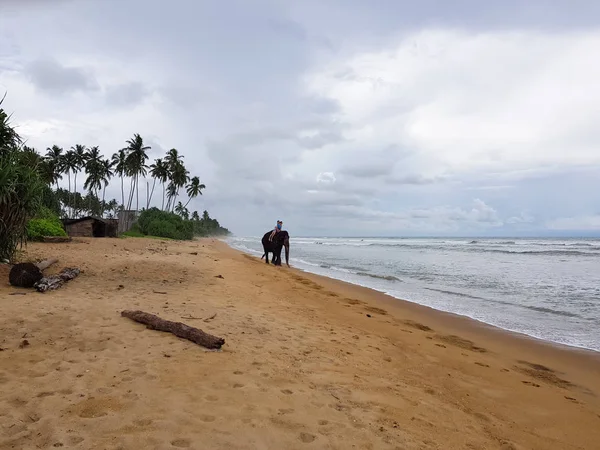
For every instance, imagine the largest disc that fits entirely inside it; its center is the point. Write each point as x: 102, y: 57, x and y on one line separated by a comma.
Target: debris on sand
x: 179, y: 329
x: 54, y: 282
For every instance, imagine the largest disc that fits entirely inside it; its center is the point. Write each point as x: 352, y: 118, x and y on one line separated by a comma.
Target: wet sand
x: 308, y: 363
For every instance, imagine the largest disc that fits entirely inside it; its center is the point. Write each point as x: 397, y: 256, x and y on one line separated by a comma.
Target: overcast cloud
x: 350, y: 117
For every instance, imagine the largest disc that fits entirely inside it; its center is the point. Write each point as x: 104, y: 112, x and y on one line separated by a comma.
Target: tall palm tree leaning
x: 176, y: 173
x: 159, y: 171
x: 54, y: 156
x: 194, y: 189
x: 79, y: 156
x: 136, y: 163
x: 106, y: 173
x: 69, y: 164
x: 119, y: 162
x: 93, y: 160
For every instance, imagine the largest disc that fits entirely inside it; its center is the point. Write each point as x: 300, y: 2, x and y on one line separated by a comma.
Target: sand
x: 308, y: 362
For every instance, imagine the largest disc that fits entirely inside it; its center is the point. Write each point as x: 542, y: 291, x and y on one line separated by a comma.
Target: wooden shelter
x: 90, y: 226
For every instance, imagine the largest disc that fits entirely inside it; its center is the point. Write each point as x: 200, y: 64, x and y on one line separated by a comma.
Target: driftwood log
x: 55, y: 281
x: 179, y: 329
x: 27, y: 274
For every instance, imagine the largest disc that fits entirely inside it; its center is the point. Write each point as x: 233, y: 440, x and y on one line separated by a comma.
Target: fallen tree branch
x: 179, y: 329
x: 54, y: 282
x: 43, y: 265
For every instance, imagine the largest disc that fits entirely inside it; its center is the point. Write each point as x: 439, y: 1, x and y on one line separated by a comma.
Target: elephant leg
x: 277, y: 256
x: 266, y: 253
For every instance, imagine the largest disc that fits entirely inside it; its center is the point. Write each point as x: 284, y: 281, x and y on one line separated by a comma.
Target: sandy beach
x: 308, y: 362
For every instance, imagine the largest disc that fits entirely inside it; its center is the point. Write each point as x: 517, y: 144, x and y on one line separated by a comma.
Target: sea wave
x: 379, y: 277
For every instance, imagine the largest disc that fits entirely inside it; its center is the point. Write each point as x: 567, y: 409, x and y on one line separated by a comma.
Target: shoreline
x: 308, y: 362
x: 524, y: 335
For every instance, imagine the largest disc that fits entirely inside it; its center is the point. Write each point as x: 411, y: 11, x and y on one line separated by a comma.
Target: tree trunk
x: 43, y: 265
x: 163, y: 200
x: 179, y: 329
x: 151, y: 194
x: 103, y: 197
x: 75, y: 193
x: 53, y: 282
x: 69, y: 196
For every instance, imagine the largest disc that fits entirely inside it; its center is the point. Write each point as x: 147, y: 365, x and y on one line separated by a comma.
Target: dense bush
x: 38, y: 228
x: 154, y: 222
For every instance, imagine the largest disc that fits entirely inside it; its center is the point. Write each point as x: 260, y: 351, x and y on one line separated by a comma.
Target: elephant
x: 280, y: 240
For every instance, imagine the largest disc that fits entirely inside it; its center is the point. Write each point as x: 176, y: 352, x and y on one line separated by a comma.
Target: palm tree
x: 79, y: 156
x: 119, y: 162
x: 182, y: 211
x: 69, y: 165
x: 136, y: 163
x: 93, y: 181
x: 93, y: 156
x: 106, y: 174
x: 159, y: 171
x: 54, y: 156
x: 179, y: 177
x: 195, y: 216
x: 194, y: 189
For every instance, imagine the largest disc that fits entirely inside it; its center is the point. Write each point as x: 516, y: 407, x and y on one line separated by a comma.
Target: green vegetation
x: 154, y: 222
x: 29, y: 181
x: 21, y: 185
x: 38, y: 228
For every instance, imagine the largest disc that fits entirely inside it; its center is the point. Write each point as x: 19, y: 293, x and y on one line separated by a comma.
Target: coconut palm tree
x: 194, y: 189
x: 159, y: 171
x: 195, y: 216
x: 182, y: 211
x: 69, y: 165
x: 54, y: 156
x: 93, y: 182
x: 79, y: 155
x: 136, y: 163
x: 106, y: 173
x: 119, y: 162
x: 179, y: 176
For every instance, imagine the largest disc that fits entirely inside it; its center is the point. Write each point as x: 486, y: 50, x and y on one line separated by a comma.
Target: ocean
x: 545, y: 288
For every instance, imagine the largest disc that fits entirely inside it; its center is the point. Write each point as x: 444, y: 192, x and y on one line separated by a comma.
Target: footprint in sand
x: 238, y: 385
x: 307, y: 438
x: 45, y: 394
x: 529, y: 383
x: 206, y: 418
x: 287, y: 391
x: 323, y: 422
x: 143, y: 422
x: 212, y: 398
x: 181, y: 443
x: 481, y: 364
x: 238, y: 372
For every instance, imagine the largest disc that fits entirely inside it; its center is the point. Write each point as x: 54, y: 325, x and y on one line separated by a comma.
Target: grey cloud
x: 126, y: 94
x: 414, y: 179
x: 50, y: 76
x: 368, y: 170
x: 320, y: 139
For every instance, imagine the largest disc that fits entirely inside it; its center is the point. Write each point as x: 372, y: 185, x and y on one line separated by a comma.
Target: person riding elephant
x: 274, y: 245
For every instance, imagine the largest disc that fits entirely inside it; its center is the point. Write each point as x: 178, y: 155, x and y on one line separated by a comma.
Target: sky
x: 340, y: 117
